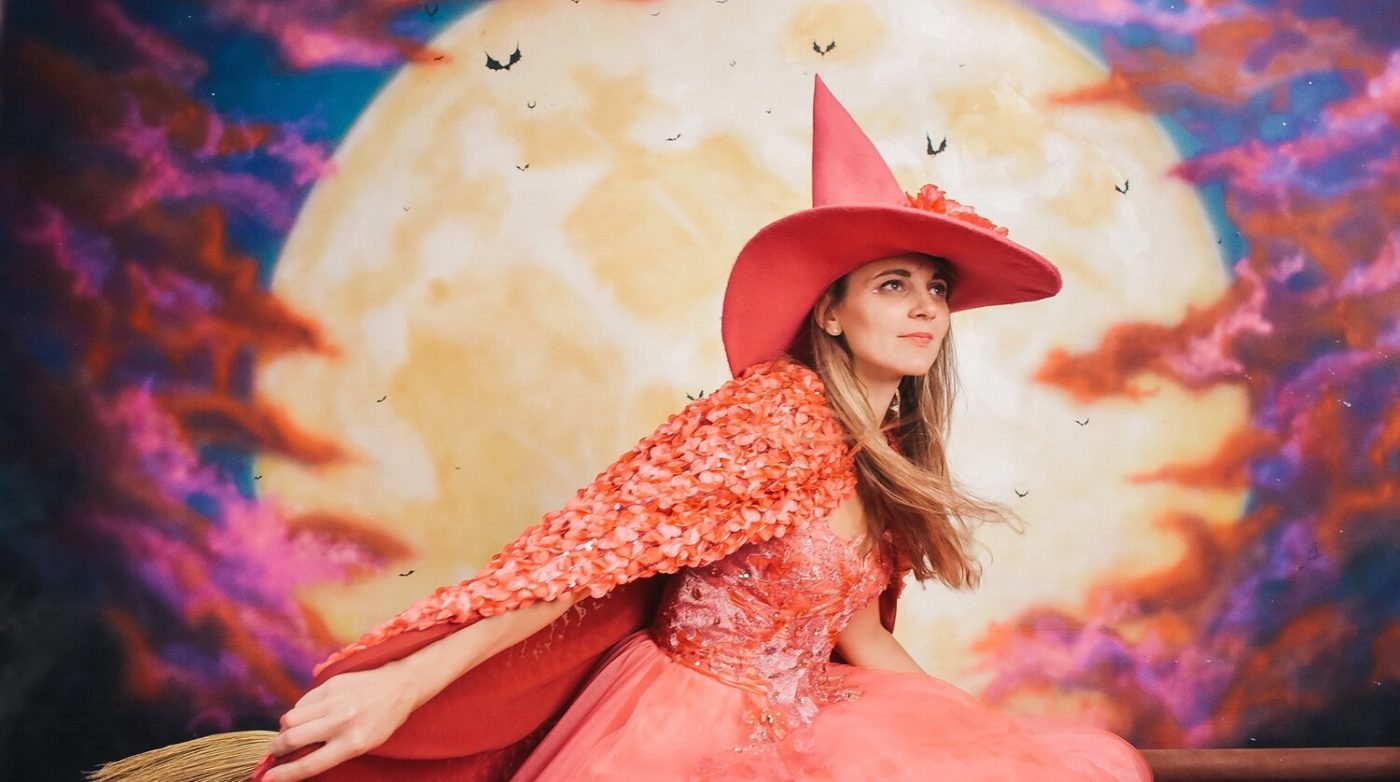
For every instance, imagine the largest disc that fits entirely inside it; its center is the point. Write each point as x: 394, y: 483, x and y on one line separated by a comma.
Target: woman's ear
x: 826, y: 316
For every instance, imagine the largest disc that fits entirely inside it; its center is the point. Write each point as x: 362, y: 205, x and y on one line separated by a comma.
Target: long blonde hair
x: 908, y: 491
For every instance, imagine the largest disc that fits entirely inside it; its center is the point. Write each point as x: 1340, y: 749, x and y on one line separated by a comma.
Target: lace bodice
x: 766, y: 619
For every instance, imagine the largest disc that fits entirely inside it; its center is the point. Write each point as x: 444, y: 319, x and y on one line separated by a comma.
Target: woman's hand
x: 352, y: 713
x: 349, y: 714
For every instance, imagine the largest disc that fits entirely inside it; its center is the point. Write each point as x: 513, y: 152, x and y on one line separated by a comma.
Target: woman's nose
x: 926, y: 306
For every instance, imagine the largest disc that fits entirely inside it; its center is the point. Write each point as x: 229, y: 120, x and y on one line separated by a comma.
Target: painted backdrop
x: 308, y: 306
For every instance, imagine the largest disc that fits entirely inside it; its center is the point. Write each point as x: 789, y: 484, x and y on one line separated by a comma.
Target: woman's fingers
x: 301, y: 715
x: 349, y: 715
x: 348, y: 742
x: 323, y: 759
x: 293, y: 739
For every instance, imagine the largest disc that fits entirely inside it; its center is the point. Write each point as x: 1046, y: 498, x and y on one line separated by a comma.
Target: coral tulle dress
x: 734, y: 681
x: 730, y: 675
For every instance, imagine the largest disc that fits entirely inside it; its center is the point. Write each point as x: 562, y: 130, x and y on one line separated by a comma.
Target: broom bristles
x: 222, y: 757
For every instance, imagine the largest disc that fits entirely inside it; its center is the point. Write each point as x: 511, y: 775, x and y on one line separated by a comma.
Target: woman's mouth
x: 918, y: 337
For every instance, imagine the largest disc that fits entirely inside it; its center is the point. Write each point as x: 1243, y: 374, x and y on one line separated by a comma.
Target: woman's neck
x: 879, y: 390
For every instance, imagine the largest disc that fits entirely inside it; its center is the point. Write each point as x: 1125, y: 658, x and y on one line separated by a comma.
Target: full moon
x: 522, y: 270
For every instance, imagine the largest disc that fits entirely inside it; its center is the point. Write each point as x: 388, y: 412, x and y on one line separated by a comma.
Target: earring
x: 834, y: 331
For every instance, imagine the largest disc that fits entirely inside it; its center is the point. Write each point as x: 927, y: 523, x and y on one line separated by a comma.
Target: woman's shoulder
x: 777, y: 381
x: 778, y: 402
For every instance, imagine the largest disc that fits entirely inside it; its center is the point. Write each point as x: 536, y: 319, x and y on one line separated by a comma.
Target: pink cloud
x: 162, y: 54
x: 316, y: 33
x: 1192, y: 17
x: 167, y: 173
x: 87, y: 259
x: 1210, y: 356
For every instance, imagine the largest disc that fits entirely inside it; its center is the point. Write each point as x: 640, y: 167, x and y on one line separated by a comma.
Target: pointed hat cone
x: 860, y: 214
x: 846, y: 167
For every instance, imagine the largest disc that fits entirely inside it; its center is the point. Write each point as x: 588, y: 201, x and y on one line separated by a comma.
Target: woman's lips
x: 918, y: 337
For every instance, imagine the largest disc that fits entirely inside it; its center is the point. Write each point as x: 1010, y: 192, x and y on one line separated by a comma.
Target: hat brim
x: 782, y: 271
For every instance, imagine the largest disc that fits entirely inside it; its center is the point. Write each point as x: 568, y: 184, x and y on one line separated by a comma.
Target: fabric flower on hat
x: 931, y: 198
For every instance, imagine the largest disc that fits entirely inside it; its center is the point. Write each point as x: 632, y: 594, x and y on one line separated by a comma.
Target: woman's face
x: 893, y: 316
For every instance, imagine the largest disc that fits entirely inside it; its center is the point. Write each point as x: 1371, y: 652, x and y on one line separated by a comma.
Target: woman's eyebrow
x: 898, y: 271
x: 905, y: 273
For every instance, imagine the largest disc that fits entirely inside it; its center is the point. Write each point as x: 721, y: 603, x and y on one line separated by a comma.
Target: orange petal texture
x: 761, y: 454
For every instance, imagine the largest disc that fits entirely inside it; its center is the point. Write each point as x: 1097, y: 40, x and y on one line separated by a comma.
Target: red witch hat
x: 859, y: 214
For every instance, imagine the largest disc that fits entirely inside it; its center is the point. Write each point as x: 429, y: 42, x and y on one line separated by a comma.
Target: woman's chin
x: 895, y: 368
x: 916, y: 366
x: 899, y: 370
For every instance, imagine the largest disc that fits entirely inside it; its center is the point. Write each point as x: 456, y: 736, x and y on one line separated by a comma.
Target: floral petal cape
x: 761, y: 455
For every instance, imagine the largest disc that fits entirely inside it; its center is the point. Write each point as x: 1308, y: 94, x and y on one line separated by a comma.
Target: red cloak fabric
x: 760, y: 455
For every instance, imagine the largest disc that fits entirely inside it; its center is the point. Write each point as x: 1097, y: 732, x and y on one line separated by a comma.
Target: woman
x: 788, y: 505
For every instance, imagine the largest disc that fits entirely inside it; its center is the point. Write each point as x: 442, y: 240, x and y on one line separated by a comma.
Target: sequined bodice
x: 766, y: 619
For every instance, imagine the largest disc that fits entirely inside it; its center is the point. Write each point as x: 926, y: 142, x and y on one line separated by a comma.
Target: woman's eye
x: 939, y: 288
x: 893, y: 284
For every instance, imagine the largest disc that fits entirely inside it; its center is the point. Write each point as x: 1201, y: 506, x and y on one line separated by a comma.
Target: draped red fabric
x: 760, y: 455
x: 483, y: 726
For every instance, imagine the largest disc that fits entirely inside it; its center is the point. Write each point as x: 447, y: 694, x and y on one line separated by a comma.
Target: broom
x: 222, y: 757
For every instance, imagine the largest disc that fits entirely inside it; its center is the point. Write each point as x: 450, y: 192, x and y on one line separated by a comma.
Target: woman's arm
x: 355, y: 712
x: 761, y: 454
x: 866, y: 643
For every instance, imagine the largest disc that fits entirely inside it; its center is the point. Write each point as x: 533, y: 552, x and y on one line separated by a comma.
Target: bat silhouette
x: 698, y: 395
x: 408, y: 573
x: 440, y: 58
x: 673, y: 138
x: 1020, y: 493
x: 530, y: 105
x: 1081, y: 423
x: 519, y: 167
x: 257, y: 477
x: 819, y: 50
x: 942, y: 145
x: 495, y: 64
x: 1123, y: 189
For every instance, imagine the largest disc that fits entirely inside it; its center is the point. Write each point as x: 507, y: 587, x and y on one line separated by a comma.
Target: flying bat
x: 495, y: 64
